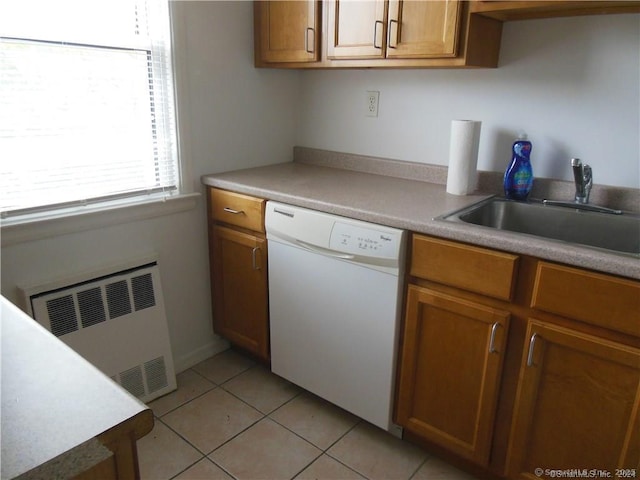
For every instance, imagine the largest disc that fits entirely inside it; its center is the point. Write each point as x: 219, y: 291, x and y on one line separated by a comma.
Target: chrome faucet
x: 583, y: 180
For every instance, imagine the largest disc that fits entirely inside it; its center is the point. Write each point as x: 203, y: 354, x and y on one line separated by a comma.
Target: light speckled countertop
x: 405, y: 203
x: 54, y: 403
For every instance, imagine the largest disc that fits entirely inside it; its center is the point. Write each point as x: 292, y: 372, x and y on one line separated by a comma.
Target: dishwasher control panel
x: 357, y: 240
x: 368, y: 243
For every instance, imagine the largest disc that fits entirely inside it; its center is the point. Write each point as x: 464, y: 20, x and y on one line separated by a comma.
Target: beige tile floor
x: 233, y: 419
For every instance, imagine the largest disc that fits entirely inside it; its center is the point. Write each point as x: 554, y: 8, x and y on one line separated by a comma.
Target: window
x: 86, y: 104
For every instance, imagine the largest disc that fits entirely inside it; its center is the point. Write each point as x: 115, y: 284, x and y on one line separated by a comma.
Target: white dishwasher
x: 334, y: 303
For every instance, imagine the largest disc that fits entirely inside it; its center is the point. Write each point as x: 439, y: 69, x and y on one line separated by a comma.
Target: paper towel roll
x: 462, y: 174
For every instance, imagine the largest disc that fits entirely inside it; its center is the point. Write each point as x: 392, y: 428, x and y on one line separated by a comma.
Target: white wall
x: 573, y: 84
x: 234, y: 116
x: 237, y: 116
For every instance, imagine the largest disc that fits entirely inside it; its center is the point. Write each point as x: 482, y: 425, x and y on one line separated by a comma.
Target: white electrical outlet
x: 372, y: 103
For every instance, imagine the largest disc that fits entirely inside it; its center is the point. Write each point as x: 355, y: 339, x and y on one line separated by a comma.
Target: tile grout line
x: 264, y: 416
x: 360, y: 421
x: 426, y: 459
x: 221, y: 467
x: 186, y: 468
x: 307, y: 465
x: 206, y: 455
x: 188, y: 443
x: 186, y: 402
x: 251, y: 366
x: 322, y: 451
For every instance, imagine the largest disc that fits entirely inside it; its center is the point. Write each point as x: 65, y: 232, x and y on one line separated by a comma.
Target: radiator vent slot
x: 142, y: 288
x: 91, y: 307
x: 116, y: 321
x: 156, y: 374
x: 131, y: 380
x: 62, y: 315
x: 118, y: 299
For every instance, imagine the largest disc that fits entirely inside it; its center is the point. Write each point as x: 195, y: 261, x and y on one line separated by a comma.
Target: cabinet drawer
x: 237, y: 209
x: 478, y: 270
x: 596, y: 298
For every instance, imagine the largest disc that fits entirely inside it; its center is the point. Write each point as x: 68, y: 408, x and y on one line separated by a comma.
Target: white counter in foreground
x: 61, y: 417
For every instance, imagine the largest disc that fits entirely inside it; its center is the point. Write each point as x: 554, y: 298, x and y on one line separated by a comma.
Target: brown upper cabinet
x: 396, y: 33
x: 356, y: 29
x: 374, y: 33
x: 394, y: 29
x: 287, y: 31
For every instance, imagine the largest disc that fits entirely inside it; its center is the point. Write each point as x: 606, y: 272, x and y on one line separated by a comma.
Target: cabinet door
x: 452, y: 357
x: 356, y: 29
x: 419, y: 29
x: 576, y: 406
x: 240, y: 295
x: 288, y: 31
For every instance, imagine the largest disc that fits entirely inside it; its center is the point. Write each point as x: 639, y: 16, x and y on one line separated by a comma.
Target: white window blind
x: 86, y: 103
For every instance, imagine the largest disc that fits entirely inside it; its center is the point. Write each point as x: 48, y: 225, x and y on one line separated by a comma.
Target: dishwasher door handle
x: 324, y: 251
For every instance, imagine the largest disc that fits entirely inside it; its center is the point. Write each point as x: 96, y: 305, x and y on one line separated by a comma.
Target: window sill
x: 62, y: 224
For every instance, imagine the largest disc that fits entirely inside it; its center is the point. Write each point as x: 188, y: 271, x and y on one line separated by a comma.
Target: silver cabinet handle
x: 375, y: 33
x: 253, y: 258
x: 492, y: 341
x: 391, y: 22
x: 231, y: 210
x: 306, y: 40
x: 532, y: 345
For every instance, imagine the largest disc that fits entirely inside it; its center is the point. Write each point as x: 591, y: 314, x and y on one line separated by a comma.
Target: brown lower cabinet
x: 239, y: 279
x: 239, y: 263
x: 520, y: 367
x: 448, y: 395
x: 576, y: 405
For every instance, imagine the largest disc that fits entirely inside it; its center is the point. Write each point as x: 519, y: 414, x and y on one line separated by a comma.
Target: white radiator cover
x: 114, y: 318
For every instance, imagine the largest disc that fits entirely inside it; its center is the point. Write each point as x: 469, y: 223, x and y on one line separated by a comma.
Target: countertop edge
x: 72, y: 463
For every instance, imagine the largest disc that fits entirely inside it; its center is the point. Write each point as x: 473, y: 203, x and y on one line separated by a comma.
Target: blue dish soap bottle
x: 518, y: 178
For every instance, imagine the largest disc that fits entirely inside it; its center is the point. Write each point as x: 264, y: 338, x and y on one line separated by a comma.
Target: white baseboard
x: 184, y: 362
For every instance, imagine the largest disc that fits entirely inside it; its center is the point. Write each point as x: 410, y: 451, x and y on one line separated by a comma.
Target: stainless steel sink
x: 619, y: 233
